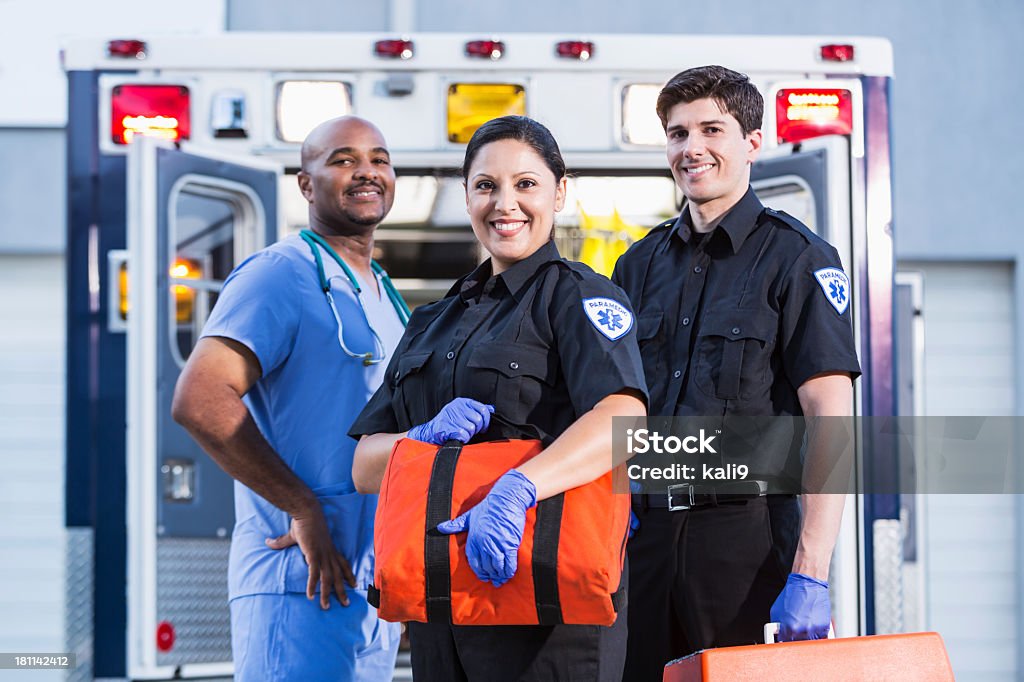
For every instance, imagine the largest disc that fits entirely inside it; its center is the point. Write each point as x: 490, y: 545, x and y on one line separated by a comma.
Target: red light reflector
x: 393, y: 49
x: 575, y: 49
x: 127, y: 48
x: 805, y: 113
x: 837, y: 53
x: 165, y: 636
x: 155, y: 110
x: 487, y: 49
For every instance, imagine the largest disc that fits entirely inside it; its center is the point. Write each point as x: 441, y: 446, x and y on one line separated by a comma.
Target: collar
x: 515, y: 278
x: 737, y: 224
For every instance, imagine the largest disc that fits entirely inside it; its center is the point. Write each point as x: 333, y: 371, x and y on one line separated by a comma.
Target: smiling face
x: 709, y: 155
x: 512, y: 197
x: 346, y: 176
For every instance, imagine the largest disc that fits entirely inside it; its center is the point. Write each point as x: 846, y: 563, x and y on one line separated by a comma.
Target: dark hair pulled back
x: 521, y: 129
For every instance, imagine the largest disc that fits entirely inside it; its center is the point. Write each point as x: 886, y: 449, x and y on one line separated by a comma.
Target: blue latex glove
x: 460, y: 419
x: 635, y: 487
x: 496, y: 528
x: 802, y: 609
x: 634, y: 523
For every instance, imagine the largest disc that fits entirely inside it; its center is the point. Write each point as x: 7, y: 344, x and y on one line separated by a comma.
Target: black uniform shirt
x: 734, y: 323
x: 522, y: 341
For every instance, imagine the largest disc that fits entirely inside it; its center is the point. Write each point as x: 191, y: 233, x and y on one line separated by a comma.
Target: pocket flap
x: 740, y: 323
x: 514, y: 360
x: 410, y: 363
x: 648, y: 324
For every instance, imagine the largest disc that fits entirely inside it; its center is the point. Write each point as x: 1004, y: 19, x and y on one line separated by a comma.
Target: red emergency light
x: 486, y: 49
x: 837, y: 53
x: 803, y: 113
x: 154, y: 110
x: 165, y: 636
x: 127, y: 48
x: 393, y: 49
x: 575, y: 49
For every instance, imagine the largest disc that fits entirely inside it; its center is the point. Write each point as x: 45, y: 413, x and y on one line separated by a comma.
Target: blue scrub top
x: 305, y: 401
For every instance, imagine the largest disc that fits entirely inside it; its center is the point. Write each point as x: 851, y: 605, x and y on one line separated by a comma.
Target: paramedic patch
x: 610, y: 317
x: 836, y: 286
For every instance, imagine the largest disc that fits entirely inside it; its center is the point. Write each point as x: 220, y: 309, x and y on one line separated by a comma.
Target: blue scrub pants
x: 288, y: 637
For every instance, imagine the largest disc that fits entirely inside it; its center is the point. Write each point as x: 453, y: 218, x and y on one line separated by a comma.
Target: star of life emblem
x: 609, y: 317
x: 836, y: 286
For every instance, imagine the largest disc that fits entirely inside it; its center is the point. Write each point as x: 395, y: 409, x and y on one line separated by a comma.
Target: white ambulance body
x: 154, y: 230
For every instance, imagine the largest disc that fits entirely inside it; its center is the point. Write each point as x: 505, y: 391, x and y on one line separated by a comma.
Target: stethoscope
x: 378, y: 353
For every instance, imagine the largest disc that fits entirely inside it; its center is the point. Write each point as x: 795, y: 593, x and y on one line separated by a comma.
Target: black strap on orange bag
x: 435, y: 550
x: 545, y: 560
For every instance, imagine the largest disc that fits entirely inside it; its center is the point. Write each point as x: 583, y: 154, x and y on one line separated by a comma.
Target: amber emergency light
x: 184, y: 295
x: 470, y: 105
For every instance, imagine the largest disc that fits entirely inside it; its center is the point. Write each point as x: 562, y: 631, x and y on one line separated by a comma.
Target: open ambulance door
x: 191, y: 219
x: 811, y: 181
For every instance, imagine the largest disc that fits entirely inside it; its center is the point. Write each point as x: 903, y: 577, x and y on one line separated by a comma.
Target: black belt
x: 685, y: 496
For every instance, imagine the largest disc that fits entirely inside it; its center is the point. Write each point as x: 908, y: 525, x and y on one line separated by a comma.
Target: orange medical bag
x: 915, y: 657
x: 569, y: 563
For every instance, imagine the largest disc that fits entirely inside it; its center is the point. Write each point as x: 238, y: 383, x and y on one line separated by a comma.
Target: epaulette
x: 789, y: 221
x: 578, y: 269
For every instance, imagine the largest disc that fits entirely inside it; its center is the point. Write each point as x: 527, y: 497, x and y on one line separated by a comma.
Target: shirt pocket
x: 734, y: 349
x: 410, y: 390
x: 651, y: 336
x: 517, y: 376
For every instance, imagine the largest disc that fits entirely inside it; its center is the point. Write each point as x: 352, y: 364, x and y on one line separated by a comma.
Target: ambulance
x: 182, y: 155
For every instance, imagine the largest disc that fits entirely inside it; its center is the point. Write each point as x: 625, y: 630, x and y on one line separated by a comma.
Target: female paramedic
x: 549, y: 347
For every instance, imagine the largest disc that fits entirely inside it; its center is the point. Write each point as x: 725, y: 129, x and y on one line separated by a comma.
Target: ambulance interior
x: 426, y: 242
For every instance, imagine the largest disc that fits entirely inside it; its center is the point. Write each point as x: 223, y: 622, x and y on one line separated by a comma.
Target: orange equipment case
x: 915, y: 657
x: 570, y: 559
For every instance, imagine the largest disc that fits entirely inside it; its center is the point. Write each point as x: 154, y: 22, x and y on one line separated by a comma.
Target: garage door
x: 969, y: 541
x: 32, y: 455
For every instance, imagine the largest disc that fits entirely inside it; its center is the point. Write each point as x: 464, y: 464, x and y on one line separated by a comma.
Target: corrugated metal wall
x: 32, y: 458
x: 971, y: 540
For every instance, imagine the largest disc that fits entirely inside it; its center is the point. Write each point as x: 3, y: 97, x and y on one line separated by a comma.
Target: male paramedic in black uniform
x: 742, y: 311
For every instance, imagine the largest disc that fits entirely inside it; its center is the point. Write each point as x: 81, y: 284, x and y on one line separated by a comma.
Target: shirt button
x: 677, y: 374
x: 697, y: 269
x: 735, y: 330
x: 450, y: 355
x: 513, y: 365
x: 686, y: 321
x: 396, y: 373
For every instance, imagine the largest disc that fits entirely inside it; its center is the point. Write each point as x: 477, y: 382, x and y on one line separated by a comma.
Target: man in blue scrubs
x: 270, y: 391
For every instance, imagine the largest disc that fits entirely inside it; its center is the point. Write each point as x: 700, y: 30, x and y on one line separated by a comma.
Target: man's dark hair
x: 521, y: 129
x: 733, y: 92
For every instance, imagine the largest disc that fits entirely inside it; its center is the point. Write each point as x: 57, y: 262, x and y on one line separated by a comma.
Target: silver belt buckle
x: 680, y: 486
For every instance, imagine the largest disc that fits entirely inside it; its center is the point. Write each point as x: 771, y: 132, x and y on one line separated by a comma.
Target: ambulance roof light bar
x: 127, y: 48
x: 836, y: 52
x: 581, y: 50
x: 399, y: 48
x: 485, y: 49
